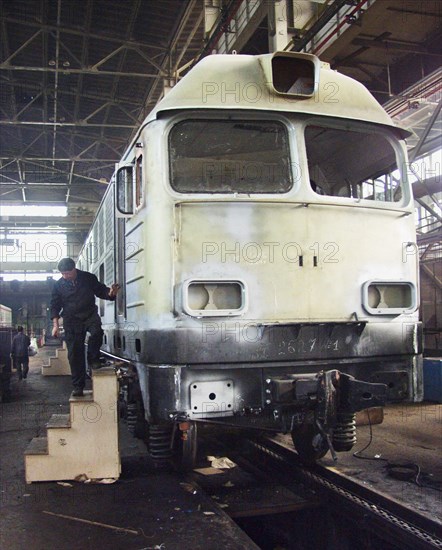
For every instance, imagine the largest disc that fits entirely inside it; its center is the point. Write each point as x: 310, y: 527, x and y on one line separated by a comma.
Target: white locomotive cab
x: 263, y: 240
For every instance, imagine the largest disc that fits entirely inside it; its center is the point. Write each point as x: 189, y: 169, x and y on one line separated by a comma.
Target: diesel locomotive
x: 261, y: 225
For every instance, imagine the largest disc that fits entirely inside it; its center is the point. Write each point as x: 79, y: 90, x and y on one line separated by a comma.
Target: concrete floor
x: 410, y: 433
x: 145, y: 509
x: 150, y: 508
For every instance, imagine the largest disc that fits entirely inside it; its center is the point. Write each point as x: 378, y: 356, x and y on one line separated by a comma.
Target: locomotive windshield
x: 229, y: 156
x: 360, y: 165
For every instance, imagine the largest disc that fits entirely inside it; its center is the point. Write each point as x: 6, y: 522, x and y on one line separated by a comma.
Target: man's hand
x: 55, y: 328
x: 114, y: 290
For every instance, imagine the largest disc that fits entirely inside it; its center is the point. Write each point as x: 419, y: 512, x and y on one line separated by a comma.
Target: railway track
x: 279, y: 502
x: 381, y: 521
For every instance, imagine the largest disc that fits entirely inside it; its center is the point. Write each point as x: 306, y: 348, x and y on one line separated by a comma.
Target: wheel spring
x: 131, y: 416
x: 159, y: 442
x: 344, y: 432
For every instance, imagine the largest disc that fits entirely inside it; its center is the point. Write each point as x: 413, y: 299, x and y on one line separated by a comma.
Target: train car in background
x: 5, y: 316
x: 6, y: 334
x: 261, y: 226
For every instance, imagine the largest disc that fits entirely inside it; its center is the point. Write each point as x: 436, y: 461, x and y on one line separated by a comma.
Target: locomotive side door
x: 124, y: 208
x: 129, y: 197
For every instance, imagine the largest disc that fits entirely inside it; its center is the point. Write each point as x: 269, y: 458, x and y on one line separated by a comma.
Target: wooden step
x: 37, y: 446
x: 88, y: 396
x: 59, y: 421
x: 83, y: 442
x: 105, y: 371
x: 58, y: 365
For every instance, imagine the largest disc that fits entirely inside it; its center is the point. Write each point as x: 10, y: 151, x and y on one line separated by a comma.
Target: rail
x: 392, y: 521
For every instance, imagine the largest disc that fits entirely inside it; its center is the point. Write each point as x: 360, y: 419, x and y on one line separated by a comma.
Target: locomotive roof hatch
x: 283, y: 81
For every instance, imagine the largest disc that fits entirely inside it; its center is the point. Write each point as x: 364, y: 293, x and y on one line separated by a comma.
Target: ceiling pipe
x: 57, y: 56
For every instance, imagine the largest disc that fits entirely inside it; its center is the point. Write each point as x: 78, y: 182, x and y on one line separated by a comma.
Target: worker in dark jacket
x: 20, y: 353
x: 73, y: 297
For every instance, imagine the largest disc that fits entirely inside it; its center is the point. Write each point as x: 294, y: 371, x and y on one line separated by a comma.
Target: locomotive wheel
x: 188, y: 446
x: 309, y: 443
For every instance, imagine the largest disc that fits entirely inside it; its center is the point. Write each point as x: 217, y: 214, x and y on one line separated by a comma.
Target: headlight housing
x: 389, y: 297
x: 214, y: 298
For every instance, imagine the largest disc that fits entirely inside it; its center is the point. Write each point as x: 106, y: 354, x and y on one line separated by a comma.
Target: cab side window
x: 139, y: 182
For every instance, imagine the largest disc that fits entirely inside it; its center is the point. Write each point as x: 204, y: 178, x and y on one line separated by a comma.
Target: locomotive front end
x: 280, y: 253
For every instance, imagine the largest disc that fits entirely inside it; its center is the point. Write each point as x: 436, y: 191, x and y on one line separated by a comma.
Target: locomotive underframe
x: 307, y: 379
x: 267, y: 393
x: 258, y: 394
x: 314, y: 401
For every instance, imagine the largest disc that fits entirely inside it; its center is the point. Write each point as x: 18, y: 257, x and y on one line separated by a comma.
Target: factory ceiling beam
x: 38, y: 89
x: 82, y: 33
x: 392, y: 45
x: 192, y: 34
x: 42, y: 221
x: 7, y: 188
x: 81, y: 70
x: 82, y: 123
x: 58, y: 159
x: 420, y: 13
x: 435, y: 115
x: 436, y: 280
